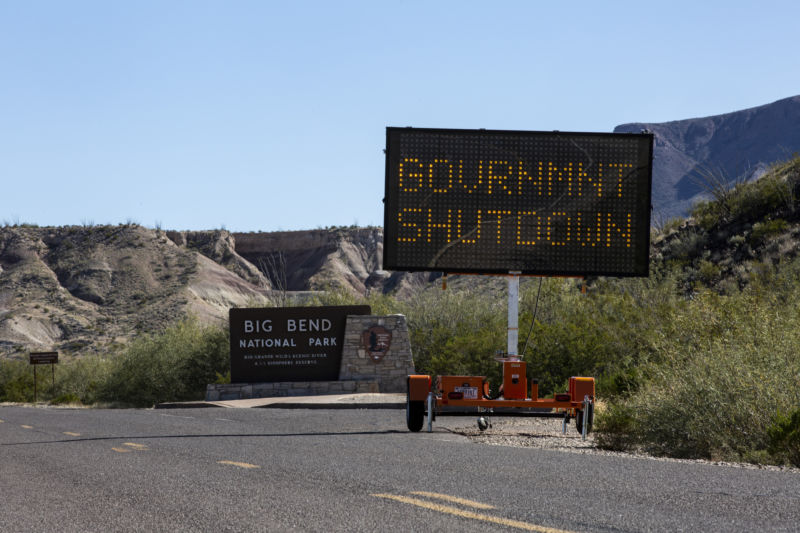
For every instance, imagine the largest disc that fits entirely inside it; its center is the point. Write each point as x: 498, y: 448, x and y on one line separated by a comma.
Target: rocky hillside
x: 89, y: 288
x: 321, y: 259
x: 317, y: 259
x: 77, y: 289
x: 739, y: 236
x: 693, y: 155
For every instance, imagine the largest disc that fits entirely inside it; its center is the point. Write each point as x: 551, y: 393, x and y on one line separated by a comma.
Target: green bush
x: 708, y: 271
x: 16, y: 381
x: 754, y: 200
x: 750, y: 201
x: 81, y: 378
x: 712, y: 387
x: 67, y: 398
x: 764, y: 230
x: 615, y: 428
x: 784, y: 438
x: 175, y: 365
x: 456, y: 332
x: 76, y: 381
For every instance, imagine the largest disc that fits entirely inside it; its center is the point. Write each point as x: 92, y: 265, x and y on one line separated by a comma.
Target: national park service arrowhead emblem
x: 376, y: 341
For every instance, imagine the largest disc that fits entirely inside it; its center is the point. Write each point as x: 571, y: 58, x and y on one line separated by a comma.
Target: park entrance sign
x: 543, y: 203
x: 288, y: 343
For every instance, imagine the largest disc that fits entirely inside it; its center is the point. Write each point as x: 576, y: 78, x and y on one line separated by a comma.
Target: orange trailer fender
x: 580, y: 387
x: 418, y: 387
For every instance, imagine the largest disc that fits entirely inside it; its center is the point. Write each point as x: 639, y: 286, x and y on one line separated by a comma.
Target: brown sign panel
x: 376, y: 341
x: 288, y: 343
x: 43, y: 358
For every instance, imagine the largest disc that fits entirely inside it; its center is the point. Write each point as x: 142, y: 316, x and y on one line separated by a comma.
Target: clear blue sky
x: 265, y: 116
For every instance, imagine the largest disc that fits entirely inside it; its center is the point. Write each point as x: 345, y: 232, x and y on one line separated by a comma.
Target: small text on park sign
x: 549, y: 203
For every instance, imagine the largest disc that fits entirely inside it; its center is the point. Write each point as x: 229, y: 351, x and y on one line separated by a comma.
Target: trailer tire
x: 415, y: 415
x: 579, y: 420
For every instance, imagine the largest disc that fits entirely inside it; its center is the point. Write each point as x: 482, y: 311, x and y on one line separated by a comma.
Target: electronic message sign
x: 271, y: 344
x: 488, y: 201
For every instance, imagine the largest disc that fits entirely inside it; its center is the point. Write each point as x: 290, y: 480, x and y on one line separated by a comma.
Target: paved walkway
x: 328, y: 401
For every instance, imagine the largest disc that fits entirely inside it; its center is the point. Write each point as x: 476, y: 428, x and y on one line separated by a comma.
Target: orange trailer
x: 465, y: 395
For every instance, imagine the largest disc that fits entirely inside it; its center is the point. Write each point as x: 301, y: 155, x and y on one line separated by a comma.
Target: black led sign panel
x: 548, y: 203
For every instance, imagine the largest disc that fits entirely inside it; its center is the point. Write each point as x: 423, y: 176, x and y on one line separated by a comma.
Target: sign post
x: 43, y: 358
x: 513, y: 315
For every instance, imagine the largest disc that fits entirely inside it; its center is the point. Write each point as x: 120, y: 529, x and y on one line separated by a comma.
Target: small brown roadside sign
x: 44, y: 358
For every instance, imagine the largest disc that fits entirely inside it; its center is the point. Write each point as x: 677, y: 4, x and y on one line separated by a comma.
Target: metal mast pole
x: 513, y: 315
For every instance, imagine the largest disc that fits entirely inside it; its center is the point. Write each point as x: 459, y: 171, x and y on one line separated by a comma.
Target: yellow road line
x: 453, y: 499
x: 129, y: 447
x: 27, y: 427
x: 471, y: 515
x: 236, y: 463
x: 72, y: 434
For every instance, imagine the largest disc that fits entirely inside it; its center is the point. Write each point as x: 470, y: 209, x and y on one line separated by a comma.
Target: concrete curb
x: 287, y: 405
x: 331, y: 401
x: 334, y: 406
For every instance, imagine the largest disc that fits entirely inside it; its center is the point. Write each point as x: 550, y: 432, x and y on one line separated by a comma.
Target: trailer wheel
x: 415, y: 415
x: 579, y: 420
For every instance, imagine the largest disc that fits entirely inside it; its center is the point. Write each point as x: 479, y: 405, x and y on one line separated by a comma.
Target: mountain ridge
x: 693, y: 155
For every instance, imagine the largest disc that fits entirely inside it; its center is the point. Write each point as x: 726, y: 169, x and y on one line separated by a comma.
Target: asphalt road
x: 348, y: 470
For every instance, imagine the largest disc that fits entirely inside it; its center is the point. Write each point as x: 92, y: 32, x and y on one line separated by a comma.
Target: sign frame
x: 492, y: 258
x: 42, y: 358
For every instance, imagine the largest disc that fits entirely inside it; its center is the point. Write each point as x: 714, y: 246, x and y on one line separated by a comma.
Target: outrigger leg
x: 431, y: 404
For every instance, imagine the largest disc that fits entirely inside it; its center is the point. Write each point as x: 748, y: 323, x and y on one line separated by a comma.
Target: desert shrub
x: 754, y: 200
x: 614, y: 428
x: 67, y: 398
x: 714, y: 385
x: 709, y: 214
x: 175, y: 365
x: 775, y: 192
x: 76, y: 381
x: 380, y: 304
x: 764, y: 230
x: 16, y: 381
x: 784, y: 438
x: 687, y: 246
x: 456, y: 332
x: 609, y: 333
x: 708, y: 271
x: 81, y: 379
x: 673, y: 224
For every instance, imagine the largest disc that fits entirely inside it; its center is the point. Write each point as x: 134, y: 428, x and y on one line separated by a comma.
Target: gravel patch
x: 546, y: 434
